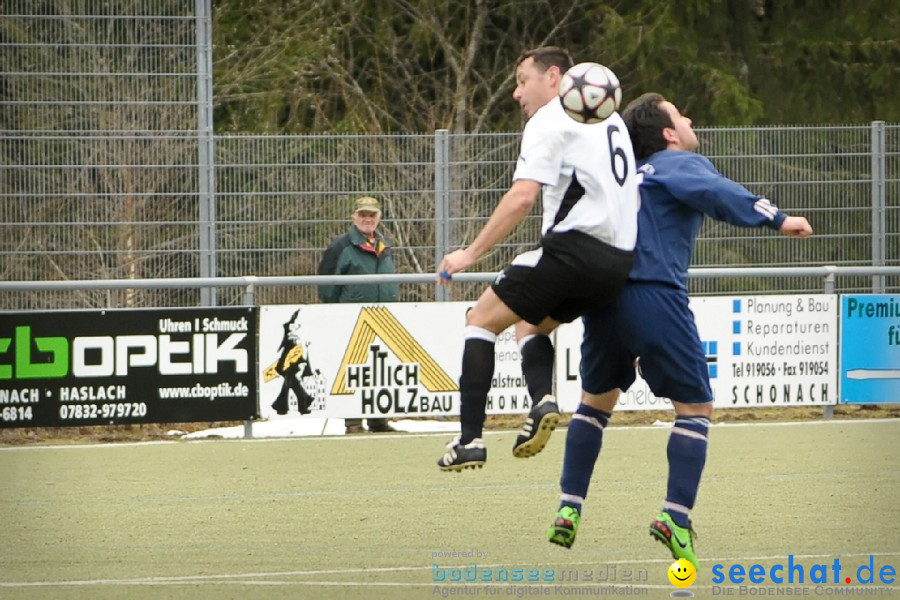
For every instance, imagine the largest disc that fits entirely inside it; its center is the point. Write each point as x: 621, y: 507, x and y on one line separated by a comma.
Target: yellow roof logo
x: 379, y: 322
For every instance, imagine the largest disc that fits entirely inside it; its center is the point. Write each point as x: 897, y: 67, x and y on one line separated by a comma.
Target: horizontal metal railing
x: 249, y: 283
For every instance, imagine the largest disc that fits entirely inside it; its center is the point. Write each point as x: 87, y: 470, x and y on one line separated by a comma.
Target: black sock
x: 537, y: 366
x: 474, y: 385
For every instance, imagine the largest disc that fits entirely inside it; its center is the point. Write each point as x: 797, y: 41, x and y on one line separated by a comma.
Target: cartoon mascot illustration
x: 293, y: 366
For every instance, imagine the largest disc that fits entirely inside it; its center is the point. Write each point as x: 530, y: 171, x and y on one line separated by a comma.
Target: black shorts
x: 568, y: 275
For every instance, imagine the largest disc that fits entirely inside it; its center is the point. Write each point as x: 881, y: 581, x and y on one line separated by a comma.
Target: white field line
x: 440, y: 434
x: 254, y: 578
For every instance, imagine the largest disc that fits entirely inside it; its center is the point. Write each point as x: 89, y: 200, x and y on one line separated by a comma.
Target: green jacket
x: 351, y: 254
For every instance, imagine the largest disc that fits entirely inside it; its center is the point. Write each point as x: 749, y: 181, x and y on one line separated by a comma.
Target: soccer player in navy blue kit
x: 650, y: 321
x: 585, y: 176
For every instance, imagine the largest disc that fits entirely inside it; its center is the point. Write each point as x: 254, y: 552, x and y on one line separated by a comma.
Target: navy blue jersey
x: 677, y: 190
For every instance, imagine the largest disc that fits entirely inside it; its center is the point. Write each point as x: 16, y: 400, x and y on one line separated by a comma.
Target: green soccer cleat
x: 564, y: 528
x: 679, y: 540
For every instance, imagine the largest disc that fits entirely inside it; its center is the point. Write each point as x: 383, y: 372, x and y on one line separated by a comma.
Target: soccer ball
x: 590, y: 92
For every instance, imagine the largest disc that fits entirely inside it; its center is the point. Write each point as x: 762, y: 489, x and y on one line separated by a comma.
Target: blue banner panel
x: 870, y: 349
x: 176, y: 365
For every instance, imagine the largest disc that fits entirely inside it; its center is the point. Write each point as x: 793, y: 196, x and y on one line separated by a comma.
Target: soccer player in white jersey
x: 590, y: 203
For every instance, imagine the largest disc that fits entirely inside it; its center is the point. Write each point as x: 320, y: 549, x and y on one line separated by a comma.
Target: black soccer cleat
x: 542, y: 420
x: 459, y: 457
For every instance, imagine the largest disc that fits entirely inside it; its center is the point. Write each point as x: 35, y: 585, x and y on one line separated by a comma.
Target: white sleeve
x: 540, y: 158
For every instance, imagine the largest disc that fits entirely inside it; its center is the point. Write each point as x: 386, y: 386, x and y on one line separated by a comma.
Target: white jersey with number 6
x: 587, y: 173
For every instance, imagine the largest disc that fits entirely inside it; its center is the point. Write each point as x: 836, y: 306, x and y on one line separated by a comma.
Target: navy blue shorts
x: 652, y: 322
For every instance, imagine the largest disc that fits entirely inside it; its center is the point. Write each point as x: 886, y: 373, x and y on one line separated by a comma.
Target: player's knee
x: 605, y: 401
x: 686, y: 409
x: 477, y: 316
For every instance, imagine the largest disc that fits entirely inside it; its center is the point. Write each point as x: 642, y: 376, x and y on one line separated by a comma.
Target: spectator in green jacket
x: 363, y: 250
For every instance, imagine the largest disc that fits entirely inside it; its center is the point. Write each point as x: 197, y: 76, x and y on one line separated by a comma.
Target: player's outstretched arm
x: 512, y: 208
x: 796, y: 227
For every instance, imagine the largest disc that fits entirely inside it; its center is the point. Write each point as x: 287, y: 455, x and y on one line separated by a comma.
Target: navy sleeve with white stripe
x: 694, y: 180
x: 677, y: 190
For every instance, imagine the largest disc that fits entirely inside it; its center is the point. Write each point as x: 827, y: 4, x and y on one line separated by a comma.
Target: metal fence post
x: 250, y: 292
x: 829, y: 289
x: 878, y: 203
x: 206, y: 151
x: 441, y: 204
x: 829, y: 281
x: 249, y: 300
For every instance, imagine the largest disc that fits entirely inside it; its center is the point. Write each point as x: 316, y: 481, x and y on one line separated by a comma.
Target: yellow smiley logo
x: 682, y: 573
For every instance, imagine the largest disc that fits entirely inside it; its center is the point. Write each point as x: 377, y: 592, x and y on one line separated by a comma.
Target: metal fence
x: 105, y: 113
x: 110, y: 170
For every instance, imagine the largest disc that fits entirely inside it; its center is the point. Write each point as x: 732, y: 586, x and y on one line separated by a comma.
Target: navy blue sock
x: 687, y: 456
x: 537, y: 365
x: 583, y: 443
x: 475, y: 381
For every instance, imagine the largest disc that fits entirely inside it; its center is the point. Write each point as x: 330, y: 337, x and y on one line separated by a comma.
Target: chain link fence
x: 99, y: 106
x: 110, y: 170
